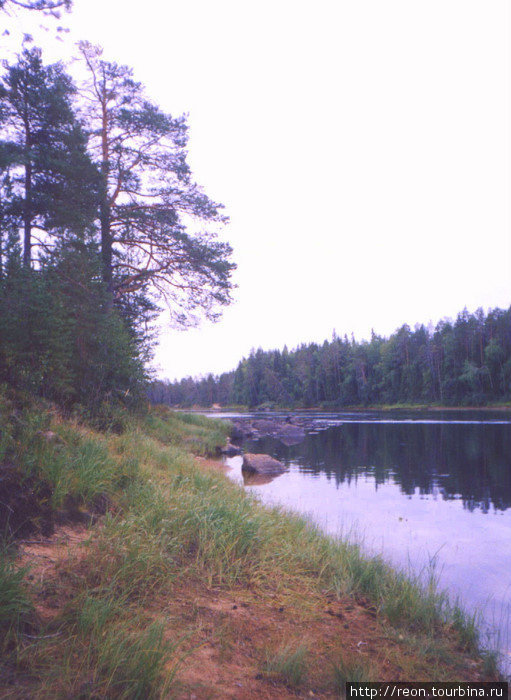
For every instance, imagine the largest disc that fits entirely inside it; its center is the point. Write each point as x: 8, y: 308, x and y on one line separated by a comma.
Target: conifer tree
x: 150, y: 208
x: 49, y: 182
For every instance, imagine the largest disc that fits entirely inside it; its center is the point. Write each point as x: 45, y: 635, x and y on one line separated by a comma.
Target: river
x: 424, y: 489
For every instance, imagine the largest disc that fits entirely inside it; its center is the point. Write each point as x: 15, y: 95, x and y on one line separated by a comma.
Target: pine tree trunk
x: 27, y: 217
x: 106, y: 243
x: 106, y: 234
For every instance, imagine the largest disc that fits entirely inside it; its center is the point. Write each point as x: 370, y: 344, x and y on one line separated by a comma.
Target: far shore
x: 372, y: 407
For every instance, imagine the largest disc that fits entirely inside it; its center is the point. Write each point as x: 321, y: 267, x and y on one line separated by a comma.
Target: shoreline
x: 315, y: 409
x: 182, y: 553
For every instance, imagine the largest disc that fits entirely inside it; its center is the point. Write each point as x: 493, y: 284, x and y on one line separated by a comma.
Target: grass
x: 287, y: 664
x: 15, y: 604
x: 466, y: 625
x: 113, y: 660
x: 351, y: 669
x: 170, y: 522
x: 198, y: 434
x: 125, y: 663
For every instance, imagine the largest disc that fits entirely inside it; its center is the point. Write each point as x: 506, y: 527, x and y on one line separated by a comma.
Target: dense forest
x: 101, y: 227
x: 457, y: 363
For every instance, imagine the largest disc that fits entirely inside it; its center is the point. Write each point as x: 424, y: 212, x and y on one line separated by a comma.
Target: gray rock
x: 237, y: 433
x: 265, y: 425
x: 291, y: 434
x: 230, y: 450
x: 262, y: 464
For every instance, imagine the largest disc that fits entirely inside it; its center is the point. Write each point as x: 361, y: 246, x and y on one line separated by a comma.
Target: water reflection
x: 471, y: 462
x: 255, y: 479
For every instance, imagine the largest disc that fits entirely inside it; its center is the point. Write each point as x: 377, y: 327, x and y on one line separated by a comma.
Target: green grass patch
x: 198, y: 434
x: 351, y: 669
x: 15, y: 604
x: 287, y: 664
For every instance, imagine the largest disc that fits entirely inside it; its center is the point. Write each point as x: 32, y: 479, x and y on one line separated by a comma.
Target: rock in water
x: 290, y: 434
x: 230, y: 450
x: 262, y: 464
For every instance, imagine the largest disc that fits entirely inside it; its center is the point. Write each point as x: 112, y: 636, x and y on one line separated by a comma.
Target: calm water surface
x: 419, y: 489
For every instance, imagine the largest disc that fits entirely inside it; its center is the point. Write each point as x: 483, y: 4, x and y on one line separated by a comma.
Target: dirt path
x: 236, y: 633
x: 43, y: 559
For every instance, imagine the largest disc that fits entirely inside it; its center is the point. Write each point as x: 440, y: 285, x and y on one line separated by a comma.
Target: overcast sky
x: 362, y: 150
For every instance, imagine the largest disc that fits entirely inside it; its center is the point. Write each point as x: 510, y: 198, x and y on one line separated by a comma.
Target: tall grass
x: 126, y: 662
x: 14, y: 601
x: 132, y: 665
x: 77, y: 463
x: 351, y: 669
x: 105, y: 651
x: 199, y: 434
x: 287, y: 664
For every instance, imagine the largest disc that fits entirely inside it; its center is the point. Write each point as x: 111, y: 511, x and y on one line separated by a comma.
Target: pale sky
x: 361, y: 147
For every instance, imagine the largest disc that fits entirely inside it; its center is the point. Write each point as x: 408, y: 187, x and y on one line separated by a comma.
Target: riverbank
x: 502, y: 406
x: 152, y: 575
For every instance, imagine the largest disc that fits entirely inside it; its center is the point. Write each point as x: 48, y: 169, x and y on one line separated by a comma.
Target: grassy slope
x: 109, y: 619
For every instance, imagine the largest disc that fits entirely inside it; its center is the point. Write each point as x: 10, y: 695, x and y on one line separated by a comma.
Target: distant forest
x: 458, y: 363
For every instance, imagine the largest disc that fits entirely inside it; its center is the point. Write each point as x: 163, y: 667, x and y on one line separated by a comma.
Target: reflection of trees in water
x: 468, y: 461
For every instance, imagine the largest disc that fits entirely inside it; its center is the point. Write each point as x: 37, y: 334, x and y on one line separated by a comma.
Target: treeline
x: 465, y: 362
x: 101, y: 224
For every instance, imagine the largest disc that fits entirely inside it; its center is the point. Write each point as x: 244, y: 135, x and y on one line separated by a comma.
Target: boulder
x: 262, y: 464
x: 237, y: 432
x: 241, y: 428
x: 265, y: 425
x: 290, y: 434
x: 291, y: 430
x: 230, y: 450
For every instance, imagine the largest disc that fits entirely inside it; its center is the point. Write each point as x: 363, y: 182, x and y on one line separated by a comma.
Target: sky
x: 361, y: 149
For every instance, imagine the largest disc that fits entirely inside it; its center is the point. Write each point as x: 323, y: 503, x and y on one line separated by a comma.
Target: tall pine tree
x: 151, y: 209
x: 49, y: 182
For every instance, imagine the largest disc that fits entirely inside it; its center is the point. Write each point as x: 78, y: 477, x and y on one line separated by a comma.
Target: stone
x: 290, y: 434
x: 230, y: 450
x: 262, y: 464
x: 237, y: 433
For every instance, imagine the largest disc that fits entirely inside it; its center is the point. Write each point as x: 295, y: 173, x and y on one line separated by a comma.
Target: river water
x: 428, y: 489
